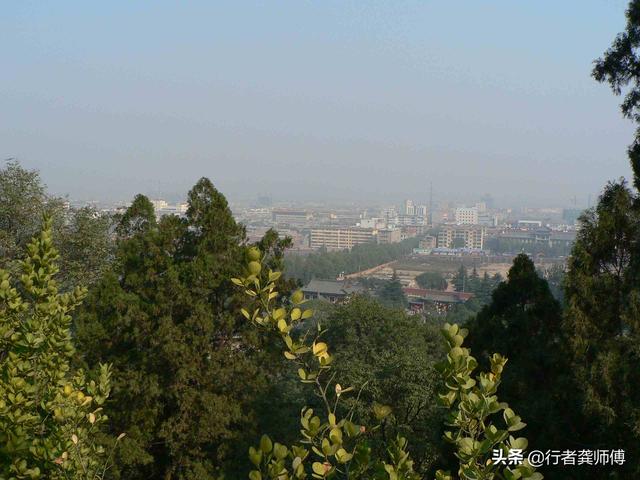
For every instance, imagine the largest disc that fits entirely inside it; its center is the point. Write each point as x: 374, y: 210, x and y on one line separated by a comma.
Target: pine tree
x: 603, y: 319
x: 484, y: 290
x: 474, y: 282
x: 165, y: 317
x: 524, y: 322
x: 460, y: 279
x: 391, y: 294
x: 620, y: 67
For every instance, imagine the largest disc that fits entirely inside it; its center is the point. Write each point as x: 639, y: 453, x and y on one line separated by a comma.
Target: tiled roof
x: 331, y: 287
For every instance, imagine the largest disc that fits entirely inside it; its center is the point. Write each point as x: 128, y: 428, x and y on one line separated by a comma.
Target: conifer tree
x: 524, y: 322
x: 391, y: 294
x: 460, y: 279
x: 165, y: 317
x: 602, y: 293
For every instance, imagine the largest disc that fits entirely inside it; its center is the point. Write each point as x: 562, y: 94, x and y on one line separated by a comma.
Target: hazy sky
x: 364, y: 100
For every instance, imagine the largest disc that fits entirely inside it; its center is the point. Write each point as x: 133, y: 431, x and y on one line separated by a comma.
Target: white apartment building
x: 409, y: 208
x: 468, y: 236
x: 467, y: 216
x: 341, y: 238
x: 421, y: 211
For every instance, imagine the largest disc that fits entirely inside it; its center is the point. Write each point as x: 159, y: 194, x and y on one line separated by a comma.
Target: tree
x: 602, y: 294
x: 49, y: 415
x: 473, y: 282
x: 138, y: 218
x: 165, y: 317
x: 391, y: 294
x: 333, y: 445
x: 473, y: 407
x: 432, y: 281
x: 81, y: 235
x: 458, y: 243
x: 554, y: 275
x: 393, y: 357
x: 484, y: 289
x: 524, y: 322
x: 620, y: 67
x: 86, y: 247
x: 23, y: 201
x: 460, y: 279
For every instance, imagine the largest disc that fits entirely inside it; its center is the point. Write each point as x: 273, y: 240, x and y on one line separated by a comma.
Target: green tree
x: 164, y: 316
x: 392, y: 295
x: 458, y: 243
x: 473, y: 282
x: 603, y: 320
x: 49, y: 415
x: 476, y: 429
x: 86, y: 246
x: 393, y: 356
x: 23, y: 201
x: 432, y: 281
x: 81, y: 235
x: 138, y: 218
x: 333, y: 445
x: 524, y: 321
x: 620, y: 67
x: 485, y: 288
x: 460, y: 279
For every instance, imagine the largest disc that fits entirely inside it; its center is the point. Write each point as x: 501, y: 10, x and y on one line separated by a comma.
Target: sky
x: 328, y: 100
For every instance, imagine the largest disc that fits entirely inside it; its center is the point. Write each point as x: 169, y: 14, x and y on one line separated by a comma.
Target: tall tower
x: 431, y: 204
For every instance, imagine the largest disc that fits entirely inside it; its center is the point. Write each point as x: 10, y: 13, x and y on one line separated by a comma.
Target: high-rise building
x: 409, y: 207
x: 467, y: 216
x: 421, y: 211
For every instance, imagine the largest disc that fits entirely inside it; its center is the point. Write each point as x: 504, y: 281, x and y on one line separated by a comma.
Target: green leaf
x: 265, y: 444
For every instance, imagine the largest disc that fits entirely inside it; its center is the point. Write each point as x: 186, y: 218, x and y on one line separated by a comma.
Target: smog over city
x: 320, y: 239
x: 314, y: 101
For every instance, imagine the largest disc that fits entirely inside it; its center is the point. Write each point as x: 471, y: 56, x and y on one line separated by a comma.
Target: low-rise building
x: 291, y: 217
x: 440, y: 301
x: 389, y: 235
x: 332, y: 290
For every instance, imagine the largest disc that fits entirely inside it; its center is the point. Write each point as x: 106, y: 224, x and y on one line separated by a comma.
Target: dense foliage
x: 603, y: 320
x: 360, y: 257
x: 164, y: 317
x: 393, y: 356
x: 432, y: 281
x: 473, y: 412
x: 332, y: 444
x: 620, y: 67
x: 81, y: 235
x: 524, y: 322
x: 49, y: 415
